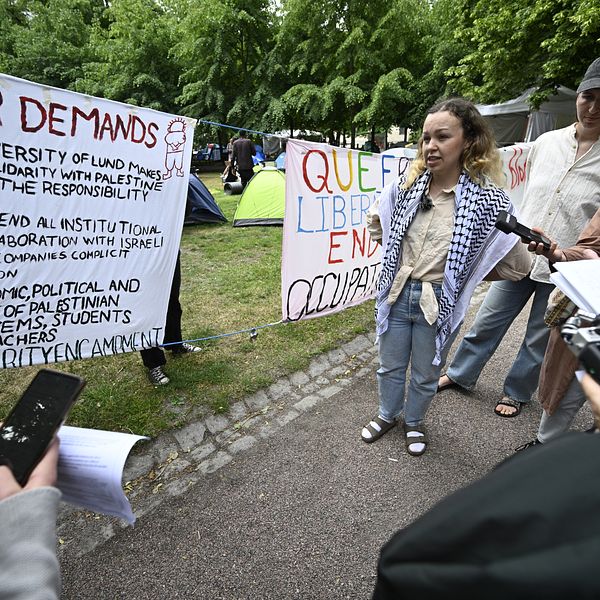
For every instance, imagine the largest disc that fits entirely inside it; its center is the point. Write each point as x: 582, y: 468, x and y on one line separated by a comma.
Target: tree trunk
x: 220, y: 142
x: 353, y: 136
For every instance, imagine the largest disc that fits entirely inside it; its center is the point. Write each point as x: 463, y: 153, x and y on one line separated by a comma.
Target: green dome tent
x: 263, y: 200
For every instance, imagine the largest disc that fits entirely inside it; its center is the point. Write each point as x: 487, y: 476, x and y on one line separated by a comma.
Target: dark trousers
x: 245, y: 175
x: 155, y: 357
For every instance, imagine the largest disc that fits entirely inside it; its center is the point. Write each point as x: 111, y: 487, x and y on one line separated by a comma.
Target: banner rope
x: 253, y: 331
x: 283, y: 137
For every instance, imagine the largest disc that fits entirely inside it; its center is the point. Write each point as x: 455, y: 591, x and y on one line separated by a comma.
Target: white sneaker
x: 157, y: 376
x: 186, y: 348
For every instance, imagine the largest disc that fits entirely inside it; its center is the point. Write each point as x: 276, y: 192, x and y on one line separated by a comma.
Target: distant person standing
x: 230, y: 148
x: 229, y: 173
x: 243, y: 151
x: 154, y: 359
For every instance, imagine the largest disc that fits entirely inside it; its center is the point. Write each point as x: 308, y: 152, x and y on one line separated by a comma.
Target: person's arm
x: 373, y: 223
x: 514, y: 266
x: 586, y: 247
x: 29, y: 568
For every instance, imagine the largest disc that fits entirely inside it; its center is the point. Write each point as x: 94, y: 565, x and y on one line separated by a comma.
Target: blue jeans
x: 408, y: 338
x: 560, y: 420
x: 502, y: 304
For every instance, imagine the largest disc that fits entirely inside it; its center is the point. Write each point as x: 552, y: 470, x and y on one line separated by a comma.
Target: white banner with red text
x: 514, y: 163
x: 93, y: 196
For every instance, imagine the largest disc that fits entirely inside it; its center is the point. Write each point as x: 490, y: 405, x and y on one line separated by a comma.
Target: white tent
x: 514, y: 121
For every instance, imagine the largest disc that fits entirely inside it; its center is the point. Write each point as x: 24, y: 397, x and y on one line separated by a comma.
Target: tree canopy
x: 337, y: 66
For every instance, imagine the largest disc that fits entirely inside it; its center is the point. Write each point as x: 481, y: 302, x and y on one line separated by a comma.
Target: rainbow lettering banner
x: 329, y: 261
x: 92, y: 201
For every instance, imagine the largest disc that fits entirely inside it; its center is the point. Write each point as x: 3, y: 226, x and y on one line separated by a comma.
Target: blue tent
x: 259, y: 157
x: 280, y: 161
x: 201, y: 206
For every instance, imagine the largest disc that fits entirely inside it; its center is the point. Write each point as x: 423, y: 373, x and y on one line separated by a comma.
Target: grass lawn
x: 230, y: 282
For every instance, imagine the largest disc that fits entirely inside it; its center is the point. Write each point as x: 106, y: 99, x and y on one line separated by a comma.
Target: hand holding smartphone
x: 508, y: 224
x: 30, y: 427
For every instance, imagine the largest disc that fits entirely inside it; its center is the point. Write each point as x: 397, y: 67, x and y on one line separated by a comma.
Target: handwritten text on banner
x: 329, y: 260
x: 92, y: 203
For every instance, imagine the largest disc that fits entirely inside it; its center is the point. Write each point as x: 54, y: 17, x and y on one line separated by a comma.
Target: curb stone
x: 169, y: 464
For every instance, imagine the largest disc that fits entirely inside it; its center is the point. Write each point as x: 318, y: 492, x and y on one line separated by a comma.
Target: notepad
x: 580, y: 281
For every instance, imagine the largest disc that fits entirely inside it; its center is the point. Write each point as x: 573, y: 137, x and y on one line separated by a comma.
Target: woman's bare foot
x: 446, y: 383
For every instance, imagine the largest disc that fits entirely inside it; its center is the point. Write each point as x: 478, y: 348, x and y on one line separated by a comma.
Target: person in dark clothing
x: 154, y: 359
x: 243, y: 151
x: 529, y: 529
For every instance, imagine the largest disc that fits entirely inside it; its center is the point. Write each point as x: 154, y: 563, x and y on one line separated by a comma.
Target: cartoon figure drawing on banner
x: 175, y: 139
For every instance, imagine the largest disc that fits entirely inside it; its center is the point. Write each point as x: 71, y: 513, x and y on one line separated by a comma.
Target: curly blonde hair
x: 480, y: 159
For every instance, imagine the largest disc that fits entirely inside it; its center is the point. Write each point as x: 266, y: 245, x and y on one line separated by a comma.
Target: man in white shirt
x: 562, y: 193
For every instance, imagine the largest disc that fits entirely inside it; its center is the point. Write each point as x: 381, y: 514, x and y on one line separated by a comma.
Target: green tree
x: 516, y: 45
x: 402, y: 41
x: 349, y: 63
x: 133, y: 59
x: 221, y: 46
x: 48, y: 41
x: 12, y: 17
x: 446, y: 20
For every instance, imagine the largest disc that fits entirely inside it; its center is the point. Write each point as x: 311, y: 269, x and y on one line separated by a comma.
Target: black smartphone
x: 508, y: 224
x: 29, y: 428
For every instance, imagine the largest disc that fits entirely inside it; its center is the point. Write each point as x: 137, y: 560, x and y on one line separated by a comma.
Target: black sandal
x: 421, y: 438
x: 506, y: 401
x: 376, y: 429
x: 448, y: 386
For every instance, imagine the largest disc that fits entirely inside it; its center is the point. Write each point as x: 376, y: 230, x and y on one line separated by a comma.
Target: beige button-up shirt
x: 561, y: 194
x: 425, y: 249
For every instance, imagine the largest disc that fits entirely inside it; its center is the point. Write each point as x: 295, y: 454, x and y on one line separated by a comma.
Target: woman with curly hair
x: 439, y: 242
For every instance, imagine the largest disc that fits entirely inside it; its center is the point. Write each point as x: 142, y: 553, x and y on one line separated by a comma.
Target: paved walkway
x: 281, y: 499
x: 170, y: 464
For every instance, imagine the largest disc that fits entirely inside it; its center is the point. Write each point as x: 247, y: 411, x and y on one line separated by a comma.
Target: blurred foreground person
x: 29, y: 567
x: 530, y: 529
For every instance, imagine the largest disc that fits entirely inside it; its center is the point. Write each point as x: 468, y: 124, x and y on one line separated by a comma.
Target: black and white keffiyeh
x: 476, y: 247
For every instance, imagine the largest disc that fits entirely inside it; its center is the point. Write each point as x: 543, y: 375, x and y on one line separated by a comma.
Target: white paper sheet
x: 90, y: 469
x: 580, y: 281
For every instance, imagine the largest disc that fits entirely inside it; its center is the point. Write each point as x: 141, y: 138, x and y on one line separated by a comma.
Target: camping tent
x: 280, y: 161
x: 263, y: 199
x: 201, y: 206
x: 259, y: 157
x: 514, y: 121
